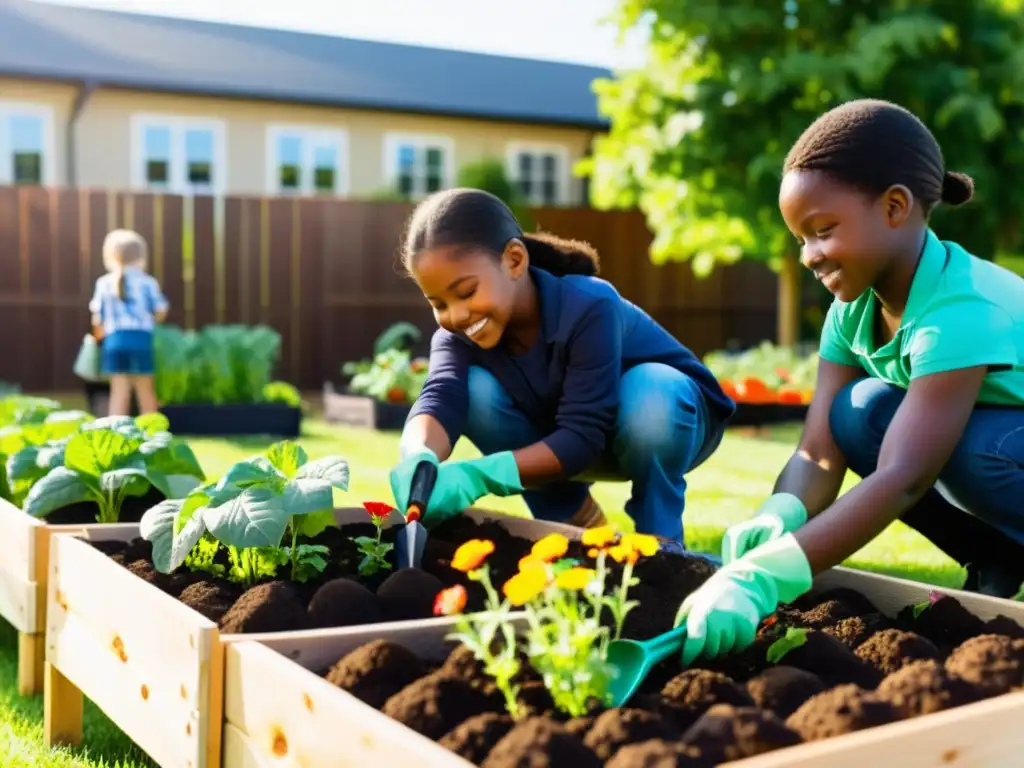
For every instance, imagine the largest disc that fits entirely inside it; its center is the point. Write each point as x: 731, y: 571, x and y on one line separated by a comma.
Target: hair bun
x: 957, y: 188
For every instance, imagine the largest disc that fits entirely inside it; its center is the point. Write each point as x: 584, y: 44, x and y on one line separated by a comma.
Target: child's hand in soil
x: 722, y: 616
x: 781, y: 513
x: 460, y: 483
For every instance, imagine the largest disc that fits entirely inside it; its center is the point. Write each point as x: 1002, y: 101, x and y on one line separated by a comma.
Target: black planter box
x: 751, y: 415
x: 207, y: 420
x: 363, y: 411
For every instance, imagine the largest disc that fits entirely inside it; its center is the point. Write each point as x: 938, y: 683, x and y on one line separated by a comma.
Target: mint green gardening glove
x: 781, y: 513
x: 460, y: 483
x: 722, y: 616
x: 402, y: 473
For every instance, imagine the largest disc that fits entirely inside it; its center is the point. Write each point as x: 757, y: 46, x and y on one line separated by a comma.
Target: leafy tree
x: 699, y: 134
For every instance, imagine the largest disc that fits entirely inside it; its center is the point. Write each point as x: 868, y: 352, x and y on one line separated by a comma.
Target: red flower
x: 378, y: 509
x: 450, y: 601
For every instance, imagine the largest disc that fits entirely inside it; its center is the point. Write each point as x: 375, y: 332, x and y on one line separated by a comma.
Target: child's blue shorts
x: 128, y: 353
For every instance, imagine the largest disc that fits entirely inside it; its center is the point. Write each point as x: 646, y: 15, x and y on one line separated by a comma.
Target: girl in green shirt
x: 920, y: 386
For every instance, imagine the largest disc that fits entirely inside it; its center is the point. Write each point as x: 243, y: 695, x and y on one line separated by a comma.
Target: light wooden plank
x: 294, y: 717
x: 17, y: 539
x: 19, y: 600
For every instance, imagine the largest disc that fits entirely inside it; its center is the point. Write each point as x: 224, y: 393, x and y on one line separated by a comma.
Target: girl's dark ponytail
x: 474, y: 219
x: 561, y: 257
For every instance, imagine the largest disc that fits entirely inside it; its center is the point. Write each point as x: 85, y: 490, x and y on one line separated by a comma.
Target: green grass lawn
x: 728, y: 488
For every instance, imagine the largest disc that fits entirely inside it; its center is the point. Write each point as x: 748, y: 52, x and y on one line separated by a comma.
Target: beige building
x: 112, y: 100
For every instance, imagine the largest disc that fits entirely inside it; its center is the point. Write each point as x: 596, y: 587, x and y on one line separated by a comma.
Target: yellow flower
x: 621, y: 553
x: 525, y: 586
x: 472, y: 554
x: 575, y: 578
x: 599, y: 537
x: 643, y: 543
x: 531, y: 561
x: 593, y: 553
x: 550, y: 548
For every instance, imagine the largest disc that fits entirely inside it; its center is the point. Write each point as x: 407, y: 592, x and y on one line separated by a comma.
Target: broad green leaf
x: 172, y: 486
x: 314, y: 523
x: 61, y: 487
x: 155, y: 443
x: 301, y: 497
x: 170, y: 548
x: 116, y: 479
x: 255, y: 518
x: 110, y: 422
x: 191, y: 505
x: 51, y: 454
x: 151, y: 423
x: 23, y: 466
x: 97, y: 451
x: 61, y: 424
x: 174, y: 458
x: 288, y: 457
x: 251, y: 471
x: 333, y: 469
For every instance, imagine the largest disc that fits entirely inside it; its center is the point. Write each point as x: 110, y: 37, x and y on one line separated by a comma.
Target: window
x: 26, y: 143
x: 417, y: 165
x: 541, y: 172
x: 306, y: 161
x: 178, y: 155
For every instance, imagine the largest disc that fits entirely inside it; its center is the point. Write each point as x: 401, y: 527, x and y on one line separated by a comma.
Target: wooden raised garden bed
x: 285, y: 704
x: 363, y: 411
x: 24, y: 560
x: 126, y: 636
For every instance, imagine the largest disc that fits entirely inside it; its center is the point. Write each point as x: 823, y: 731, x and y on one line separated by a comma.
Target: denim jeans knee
x: 858, y: 419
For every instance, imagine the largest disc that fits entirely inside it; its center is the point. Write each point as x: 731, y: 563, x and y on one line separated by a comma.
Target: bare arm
x: 816, y: 470
x: 424, y: 429
x: 917, y: 444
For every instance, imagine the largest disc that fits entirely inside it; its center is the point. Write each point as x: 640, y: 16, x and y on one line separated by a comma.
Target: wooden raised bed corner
x: 151, y: 663
x: 280, y: 711
x: 24, y: 557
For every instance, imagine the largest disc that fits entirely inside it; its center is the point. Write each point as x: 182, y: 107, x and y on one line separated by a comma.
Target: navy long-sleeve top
x: 568, y: 382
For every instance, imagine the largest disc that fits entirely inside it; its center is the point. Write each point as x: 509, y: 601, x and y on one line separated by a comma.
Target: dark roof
x: 187, y: 56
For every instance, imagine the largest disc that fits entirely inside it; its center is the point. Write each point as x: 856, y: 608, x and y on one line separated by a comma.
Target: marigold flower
x: 525, y: 586
x: 594, y: 553
x: 643, y: 543
x: 575, y: 579
x: 472, y: 554
x: 600, y: 537
x: 378, y: 509
x: 550, y: 548
x: 531, y: 561
x: 450, y: 601
x: 621, y: 553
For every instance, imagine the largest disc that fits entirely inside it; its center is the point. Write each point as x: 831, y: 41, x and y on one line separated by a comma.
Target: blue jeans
x: 975, y: 511
x: 662, y: 431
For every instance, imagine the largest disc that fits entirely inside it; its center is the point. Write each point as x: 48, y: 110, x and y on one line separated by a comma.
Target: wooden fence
x: 324, y: 273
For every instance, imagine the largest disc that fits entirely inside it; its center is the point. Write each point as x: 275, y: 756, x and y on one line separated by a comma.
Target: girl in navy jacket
x: 555, y: 377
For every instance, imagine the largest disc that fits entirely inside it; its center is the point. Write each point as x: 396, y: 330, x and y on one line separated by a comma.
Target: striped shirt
x: 142, y: 300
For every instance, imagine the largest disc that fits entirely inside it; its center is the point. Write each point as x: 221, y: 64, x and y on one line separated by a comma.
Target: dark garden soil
x: 857, y: 669
x: 342, y: 597
x: 84, y: 512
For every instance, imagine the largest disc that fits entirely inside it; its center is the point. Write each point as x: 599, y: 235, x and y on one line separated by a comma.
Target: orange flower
x: 550, y: 548
x: 531, y: 561
x: 643, y: 543
x: 472, y: 554
x: 621, y: 553
x: 450, y: 601
x: 525, y: 586
x: 600, y: 537
x: 575, y: 579
x: 593, y: 553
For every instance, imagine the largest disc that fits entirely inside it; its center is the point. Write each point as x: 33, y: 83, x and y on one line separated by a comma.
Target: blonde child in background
x: 126, y: 306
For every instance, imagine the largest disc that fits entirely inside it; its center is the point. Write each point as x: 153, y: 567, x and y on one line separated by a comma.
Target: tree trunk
x: 790, y: 303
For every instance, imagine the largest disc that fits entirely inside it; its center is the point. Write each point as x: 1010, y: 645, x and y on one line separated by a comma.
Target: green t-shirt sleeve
x: 835, y: 342
x: 964, y: 333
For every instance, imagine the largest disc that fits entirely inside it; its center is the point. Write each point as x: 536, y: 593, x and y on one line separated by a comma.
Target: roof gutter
x: 82, y: 96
